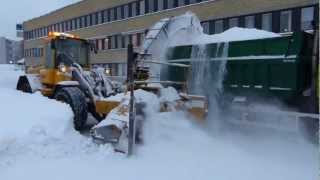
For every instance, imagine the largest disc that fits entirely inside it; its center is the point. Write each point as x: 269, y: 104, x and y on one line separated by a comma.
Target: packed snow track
x: 37, y: 142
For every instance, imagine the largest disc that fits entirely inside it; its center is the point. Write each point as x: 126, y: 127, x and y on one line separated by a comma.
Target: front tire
x: 24, y: 85
x: 77, y: 100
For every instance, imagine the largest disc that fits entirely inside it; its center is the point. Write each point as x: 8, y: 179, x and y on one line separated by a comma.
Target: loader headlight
x: 62, y: 68
x: 108, y: 71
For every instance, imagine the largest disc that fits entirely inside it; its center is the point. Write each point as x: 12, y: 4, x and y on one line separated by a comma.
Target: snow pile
x: 179, y: 34
x: 29, y: 116
x: 33, y: 116
x: 33, y: 125
x: 26, y: 115
x: 169, y: 95
x: 9, y: 76
x: 236, y: 34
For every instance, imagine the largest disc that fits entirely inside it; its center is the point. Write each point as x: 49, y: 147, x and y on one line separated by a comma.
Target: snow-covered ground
x: 37, y: 142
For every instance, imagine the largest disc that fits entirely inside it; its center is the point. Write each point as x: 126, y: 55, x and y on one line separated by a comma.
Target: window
x: 114, y: 70
x: 69, y: 25
x: 126, y: 11
x: 171, y: 4
x: 56, y: 27
x: 88, y: 20
x: 150, y: 7
x: 78, y: 21
x: 112, y: 14
x: 40, y: 32
x: 134, y: 9
x: 249, y: 21
x: 285, y: 21
x: 96, y: 18
x: 193, y: 1
x: 105, y: 16
x: 74, y: 24
x: 160, y: 5
x: 181, y: 2
x: 113, y: 42
x: 267, y: 22
x: 233, y: 22
x: 82, y: 22
x: 134, y: 40
x: 108, y: 42
x: 103, y: 43
x: 142, y: 8
x: 122, y: 69
x: 126, y: 40
x: 218, y: 26
x: 205, y: 27
x: 120, y: 41
x: 307, y: 17
x: 96, y: 43
x: 119, y: 13
x: 99, y: 18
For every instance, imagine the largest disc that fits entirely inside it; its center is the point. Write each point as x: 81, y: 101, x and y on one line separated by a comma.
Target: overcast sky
x: 17, y: 11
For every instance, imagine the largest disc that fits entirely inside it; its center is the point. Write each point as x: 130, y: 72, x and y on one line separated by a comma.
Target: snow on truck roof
x: 233, y: 34
x: 186, y: 29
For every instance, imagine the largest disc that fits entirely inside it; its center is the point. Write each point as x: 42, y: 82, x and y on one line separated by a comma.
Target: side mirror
x: 93, y: 47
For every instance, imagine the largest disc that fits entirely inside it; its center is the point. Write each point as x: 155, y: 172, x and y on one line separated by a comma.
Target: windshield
x: 73, y: 49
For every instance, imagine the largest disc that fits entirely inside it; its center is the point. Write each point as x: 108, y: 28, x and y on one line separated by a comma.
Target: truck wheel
x: 77, y: 100
x: 24, y: 85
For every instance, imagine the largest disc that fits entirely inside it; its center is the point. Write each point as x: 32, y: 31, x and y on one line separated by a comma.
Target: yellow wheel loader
x: 64, y: 75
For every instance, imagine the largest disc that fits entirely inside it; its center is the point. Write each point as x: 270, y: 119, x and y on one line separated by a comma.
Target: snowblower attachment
x: 123, y: 125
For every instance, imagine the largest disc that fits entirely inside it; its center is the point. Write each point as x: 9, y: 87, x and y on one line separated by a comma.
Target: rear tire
x: 24, y: 85
x: 77, y: 100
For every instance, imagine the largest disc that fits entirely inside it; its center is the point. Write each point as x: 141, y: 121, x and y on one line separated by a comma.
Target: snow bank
x: 29, y: 115
x: 30, y: 120
x: 32, y: 115
x: 9, y: 76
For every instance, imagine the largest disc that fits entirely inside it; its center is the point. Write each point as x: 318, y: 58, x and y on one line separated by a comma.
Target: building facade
x: 10, y: 51
x: 112, y: 24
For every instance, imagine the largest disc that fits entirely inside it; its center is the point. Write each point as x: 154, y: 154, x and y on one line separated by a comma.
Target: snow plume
x: 206, y: 77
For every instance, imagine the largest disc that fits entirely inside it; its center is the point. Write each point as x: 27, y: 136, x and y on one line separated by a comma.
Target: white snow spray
x: 207, y: 75
x: 208, y: 70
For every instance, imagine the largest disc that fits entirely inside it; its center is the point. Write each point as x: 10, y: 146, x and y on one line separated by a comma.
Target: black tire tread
x: 77, y: 100
x: 24, y: 85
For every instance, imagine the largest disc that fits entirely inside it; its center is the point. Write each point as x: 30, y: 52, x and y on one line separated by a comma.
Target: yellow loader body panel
x: 53, y: 76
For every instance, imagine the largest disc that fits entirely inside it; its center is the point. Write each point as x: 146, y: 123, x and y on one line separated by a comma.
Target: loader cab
x: 66, y: 49
x: 62, y: 51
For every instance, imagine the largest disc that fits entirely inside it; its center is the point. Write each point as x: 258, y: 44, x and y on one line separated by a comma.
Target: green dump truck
x: 272, y: 68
